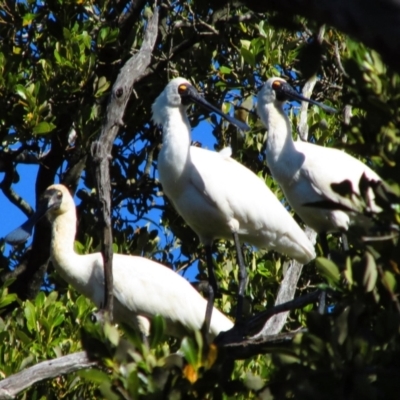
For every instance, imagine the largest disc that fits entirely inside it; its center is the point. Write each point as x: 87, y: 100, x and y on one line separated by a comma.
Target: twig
x: 338, y: 60
x: 130, y: 73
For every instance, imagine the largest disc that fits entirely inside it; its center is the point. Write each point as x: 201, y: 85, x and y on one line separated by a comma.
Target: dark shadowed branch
x: 375, y: 23
x: 121, y: 91
x: 241, y: 341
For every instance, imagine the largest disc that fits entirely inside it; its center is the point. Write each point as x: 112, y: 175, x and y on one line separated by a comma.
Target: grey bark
x: 121, y: 91
x: 11, y: 386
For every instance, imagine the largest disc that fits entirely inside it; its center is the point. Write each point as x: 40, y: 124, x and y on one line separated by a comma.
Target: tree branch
x: 14, y: 384
x: 31, y: 278
x: 240, y: 340
x: 131, y: 72
x: 11, y: 195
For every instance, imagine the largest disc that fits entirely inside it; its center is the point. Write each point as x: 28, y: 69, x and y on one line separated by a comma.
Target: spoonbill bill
x: 142, y: 288
x: 218, y: 197
x: 311, y: 175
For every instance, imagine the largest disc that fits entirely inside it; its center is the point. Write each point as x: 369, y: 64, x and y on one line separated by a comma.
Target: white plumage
x: 306, y: 171
x: 216, y: 195
x: 142, y: 288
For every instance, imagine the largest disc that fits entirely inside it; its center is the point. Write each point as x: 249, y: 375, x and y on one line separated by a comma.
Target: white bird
x: 312, y: 176
x: 142, y: 288
x: 215, y: 195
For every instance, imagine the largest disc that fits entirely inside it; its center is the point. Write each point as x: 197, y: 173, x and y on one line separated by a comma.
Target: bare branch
x: 239, y: 339
x: 286, y: 293
x: 14, y: 384
x: 130, y: 73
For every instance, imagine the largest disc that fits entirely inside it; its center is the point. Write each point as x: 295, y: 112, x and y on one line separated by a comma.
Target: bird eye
x: 276, y: 85
x: 182, y: 89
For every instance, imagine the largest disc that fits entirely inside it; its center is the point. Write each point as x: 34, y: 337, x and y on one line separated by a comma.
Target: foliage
x: 58, y: 61
x: 42, y: 329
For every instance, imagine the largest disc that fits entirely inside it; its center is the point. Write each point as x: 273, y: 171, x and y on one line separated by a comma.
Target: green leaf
x: 7, y: 299
x: 23, y: 337
x: 40, y: 300
x: 111, y: 333
x: 253, y: 382
x: 225, y: 70
x: 189, y: 350
x: 157, y: 330
x: 370, y: 273
x: 27, y: 19
x: 59, y: 320
x: 389, y: 281
x: 107, y: 391
x: 27, y: 361
x: 134, y: 384
x: 348, y: 272
x: 43, y: 128
x: 248, y: 56
x: 21, y: 91
x: 30, y: 315
x: 94, y: 375
x: 57, y: 56
x: 328, y: 269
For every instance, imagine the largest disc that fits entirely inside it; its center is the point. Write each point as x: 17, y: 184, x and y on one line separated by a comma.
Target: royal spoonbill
x: 218, y: 197
x: 306, y: 171
x: 142, y: 288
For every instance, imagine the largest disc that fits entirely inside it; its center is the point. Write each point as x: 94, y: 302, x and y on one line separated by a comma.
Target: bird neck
x: 62, y: 239
x: 280, y: 140
x: 175, y: 151
x: 75, y: 269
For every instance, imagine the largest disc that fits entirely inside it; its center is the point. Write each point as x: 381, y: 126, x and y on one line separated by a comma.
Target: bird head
x: 180, y: 93
x: 169, y: 98
x: 56, y: 200
x: 277, y: 91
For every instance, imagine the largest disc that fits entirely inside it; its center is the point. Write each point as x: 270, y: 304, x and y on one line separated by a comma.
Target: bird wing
x: 229, y: 186
x: 146, y: 288
x: 341, y: 169
x: 245, y: 200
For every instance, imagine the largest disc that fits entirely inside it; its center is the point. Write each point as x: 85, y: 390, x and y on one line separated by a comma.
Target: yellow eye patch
x: 276, y: 85
x: 182, y: 88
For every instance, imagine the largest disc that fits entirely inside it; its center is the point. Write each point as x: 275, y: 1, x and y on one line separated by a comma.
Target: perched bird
x: 142, y: 288
x: 217, y: 196
x: 321, y: 184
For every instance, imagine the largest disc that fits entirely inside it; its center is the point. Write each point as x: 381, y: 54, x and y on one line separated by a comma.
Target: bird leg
x: 242, y: 278
x: 212, y: 280
x: 345, y: 242
x: 212, y: 290
x: 322, y: 302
